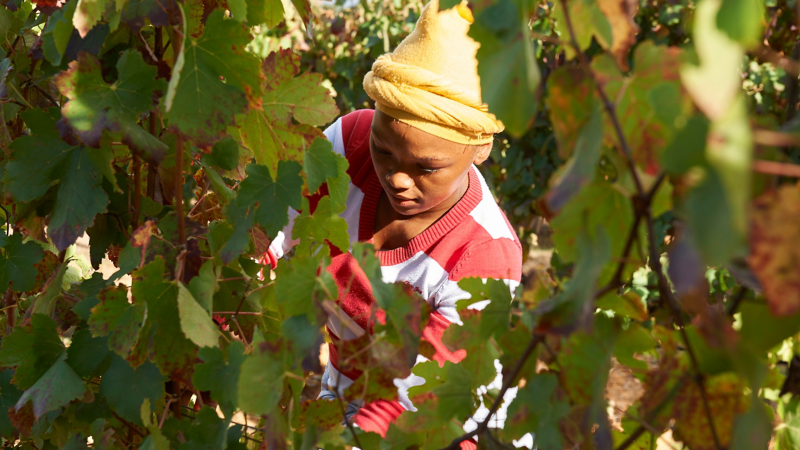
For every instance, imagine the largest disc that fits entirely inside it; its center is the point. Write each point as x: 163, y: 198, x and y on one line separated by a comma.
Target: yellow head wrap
x: 431, y: 80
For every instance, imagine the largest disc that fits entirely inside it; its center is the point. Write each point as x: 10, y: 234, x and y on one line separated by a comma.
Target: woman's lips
x: 400, y: 201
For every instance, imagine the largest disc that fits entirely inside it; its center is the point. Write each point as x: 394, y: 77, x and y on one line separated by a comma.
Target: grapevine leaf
x: 650, y: 100
x: 34, y: 350
x: 46, y: 301
x: 687, y: 148
x: 219, y: 376
x: 322, y: 225
x: 9, y: 395
x: 116, y: 317
x: 58, y: 386
x: 158, y: 11
x: 78, y: 200
x: 507, y: 68
x: 203, y: 105
x: 710, y: 220
x: 536, y: 409
x: 17, y: 265
x: 570, y: 97
x: 438, y: 433
x: 87, y: 14
x: 274, y: 197
x: 266, y: 12
x: 725, y: 397
x: 297, y: 285
x: 480, y: 353
x: 620, y: 15
x: 270, y: 132
x: 775, y: 248
x: 156, y: 439
x: 204, y: 285
x: 126, y: 388
x: 260, y: 383
x: 496, y: 316
x: 597, y: 206
x: 95, y: 105
x: 207, y: 430
x: 741, y: 21
x: 455, y: 394
x: 582, y: 166
x: 753, y: 429
x: 195, y: 321
x: 588, y: 22
x: 86, y: 353
x: 242, y: 220
x: 586, y: 360
x: 225, y: 154
x: 320, y: 162
x: 238, y: 9
x: 57, y: 32
x: 162, y: 340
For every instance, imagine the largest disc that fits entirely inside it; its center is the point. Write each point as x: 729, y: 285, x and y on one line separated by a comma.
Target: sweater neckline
x: 420, y: 242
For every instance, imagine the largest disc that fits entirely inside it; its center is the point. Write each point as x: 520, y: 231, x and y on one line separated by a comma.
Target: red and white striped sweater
x: 474, y: 239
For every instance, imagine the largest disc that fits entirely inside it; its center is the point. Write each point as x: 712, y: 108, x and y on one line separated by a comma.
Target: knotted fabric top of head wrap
x: 431, y: 80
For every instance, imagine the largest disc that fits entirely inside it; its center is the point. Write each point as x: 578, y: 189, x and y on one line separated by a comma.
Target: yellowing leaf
x: 620, y: 15
x: 775, y: 248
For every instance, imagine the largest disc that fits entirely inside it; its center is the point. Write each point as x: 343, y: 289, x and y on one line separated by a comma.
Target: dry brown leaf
x: 620, y: 14
x: 775, y: 248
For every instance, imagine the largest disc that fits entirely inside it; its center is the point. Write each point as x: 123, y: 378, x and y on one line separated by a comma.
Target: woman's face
x: 420, y: 172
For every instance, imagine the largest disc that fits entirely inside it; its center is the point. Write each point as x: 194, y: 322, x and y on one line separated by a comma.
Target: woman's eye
x: 427, y: 170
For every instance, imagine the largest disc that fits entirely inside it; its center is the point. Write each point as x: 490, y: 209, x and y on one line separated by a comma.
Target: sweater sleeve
x: 283, y: 241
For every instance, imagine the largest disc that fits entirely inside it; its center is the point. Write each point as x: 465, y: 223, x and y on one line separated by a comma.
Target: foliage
x: 657, y: 138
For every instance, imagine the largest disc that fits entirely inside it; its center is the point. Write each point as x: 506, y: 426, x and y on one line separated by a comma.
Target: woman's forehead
x: 413, y: 142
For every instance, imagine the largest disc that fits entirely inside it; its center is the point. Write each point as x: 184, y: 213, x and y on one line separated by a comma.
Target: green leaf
x: 507, y: 68
x: 581, y: 167
x: 78, y: 200
x: 269, y: 132
x: 86, y: 353
x: 127, y: 388
x: 320, y: 163
x: 266, y: 12
x: 710, y: 220
x: 55, y: 389
x: 162, y: 340
x: 537, y: 410
x: 33, y: 349
x: 46, y: 301
x: 323, y: 225
x: 238, y: 9
x: 155, y: 440
x: 455, y: 394
x: 274, y: 197
x: 496, y: 316
x: 57, y: 32
x: 297, y: 284
x: 242, y: 220
x: 260, y: 383
x: 480, y: 353
x: 588, y: 22
x: 9, y: 395
x: 196, y: 322
x: 225, y: 154
x: 687, y: 149
x: 636, y: 339
x: 203, y: 105
x: 741, y: 21
x: 118, y: 319
x: 762, y: 330
x: 204, y: 285
x: 570, y: 98
x: 219, y: 376
x: 95, y: 105
x: 753, y: 429
x: 17, y: 265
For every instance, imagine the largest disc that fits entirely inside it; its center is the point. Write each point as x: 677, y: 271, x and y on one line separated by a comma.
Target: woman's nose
x: 399, y: 180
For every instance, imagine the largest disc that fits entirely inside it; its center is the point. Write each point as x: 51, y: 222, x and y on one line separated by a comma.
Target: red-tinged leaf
x: 726, y: 399
x: 570, y: 97
x: 22, y: 419
x: 775, y: 248
x: 44, y: 270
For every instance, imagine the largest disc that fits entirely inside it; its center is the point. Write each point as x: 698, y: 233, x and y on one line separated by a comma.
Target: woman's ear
x: 483, y: 153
